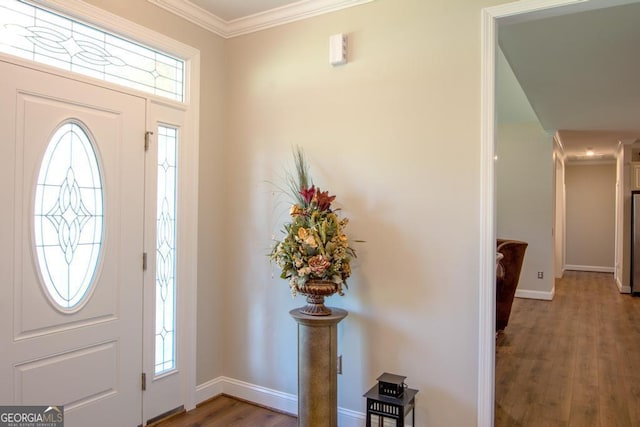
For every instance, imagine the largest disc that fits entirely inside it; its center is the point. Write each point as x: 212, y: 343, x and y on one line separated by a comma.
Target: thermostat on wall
x: 338, y: 49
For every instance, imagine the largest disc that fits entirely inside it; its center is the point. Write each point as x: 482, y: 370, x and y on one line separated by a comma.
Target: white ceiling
x: 581, y: 74
x: 230, y: 10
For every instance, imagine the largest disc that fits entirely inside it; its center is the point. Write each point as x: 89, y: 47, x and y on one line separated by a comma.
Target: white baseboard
x: 206, y: 391
x: 270, y: 398
x: 543, y: 295
x: 594, y: 268
x: 349, y: 418
x: 623, y: 289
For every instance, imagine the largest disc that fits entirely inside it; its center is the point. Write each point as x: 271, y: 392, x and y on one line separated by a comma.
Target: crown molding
x: 260, y: 21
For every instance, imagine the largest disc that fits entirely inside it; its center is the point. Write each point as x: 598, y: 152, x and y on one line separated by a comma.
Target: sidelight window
x: 166, y: 249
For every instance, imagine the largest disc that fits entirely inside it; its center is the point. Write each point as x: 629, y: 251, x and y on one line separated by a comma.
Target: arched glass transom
x: 68, y: 216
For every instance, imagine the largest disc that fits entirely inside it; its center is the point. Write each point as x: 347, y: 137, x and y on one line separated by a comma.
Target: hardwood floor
x: 573, y: 361
x: 225, y: 411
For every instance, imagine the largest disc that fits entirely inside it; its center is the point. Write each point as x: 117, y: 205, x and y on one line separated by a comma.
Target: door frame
x: 509, y: 12
x: 187, y: 263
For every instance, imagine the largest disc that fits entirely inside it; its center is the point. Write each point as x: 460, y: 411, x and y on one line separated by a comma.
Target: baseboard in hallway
x: 541, y: 295
x: 594, y: 268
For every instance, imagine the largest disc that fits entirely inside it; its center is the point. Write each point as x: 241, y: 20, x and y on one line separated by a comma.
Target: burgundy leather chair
x: 507, y: 276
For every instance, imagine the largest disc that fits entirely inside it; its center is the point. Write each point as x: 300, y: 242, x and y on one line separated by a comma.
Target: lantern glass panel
x: 380, y: 421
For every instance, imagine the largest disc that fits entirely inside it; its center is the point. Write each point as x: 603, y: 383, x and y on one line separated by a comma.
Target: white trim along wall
x: 547, y: 296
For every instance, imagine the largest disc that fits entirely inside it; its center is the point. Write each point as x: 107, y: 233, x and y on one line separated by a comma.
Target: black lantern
x: 390, y: 401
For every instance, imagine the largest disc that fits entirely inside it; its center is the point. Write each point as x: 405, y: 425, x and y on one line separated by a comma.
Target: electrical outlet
x: 540, y: 275
x: 340, y: 365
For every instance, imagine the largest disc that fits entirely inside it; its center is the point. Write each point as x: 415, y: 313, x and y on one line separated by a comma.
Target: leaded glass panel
x: 39, y: 35
x: 68, y: 216
x: 165, y: 358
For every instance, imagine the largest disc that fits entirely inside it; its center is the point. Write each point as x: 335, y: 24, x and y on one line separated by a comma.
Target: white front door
x: 71, y: 247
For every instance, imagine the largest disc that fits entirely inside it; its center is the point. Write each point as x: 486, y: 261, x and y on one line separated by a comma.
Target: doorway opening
x: 491, y: 19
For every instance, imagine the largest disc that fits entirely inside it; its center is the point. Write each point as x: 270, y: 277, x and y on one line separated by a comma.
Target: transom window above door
x: 36, y: 34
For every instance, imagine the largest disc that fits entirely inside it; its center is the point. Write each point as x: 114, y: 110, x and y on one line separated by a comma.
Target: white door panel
x: 33, y: 308
x: 87, y: 359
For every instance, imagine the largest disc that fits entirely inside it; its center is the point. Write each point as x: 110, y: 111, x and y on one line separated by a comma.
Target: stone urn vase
x: 315, y: 290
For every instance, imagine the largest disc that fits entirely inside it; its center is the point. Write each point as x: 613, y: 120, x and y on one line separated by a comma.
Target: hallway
x: 573, y: 361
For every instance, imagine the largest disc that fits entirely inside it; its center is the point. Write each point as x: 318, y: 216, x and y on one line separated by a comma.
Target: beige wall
x: 396, y: 135
x: 524, y: 201
x: 524, y: 183
x: 590, y: 216
x: 211, y: 255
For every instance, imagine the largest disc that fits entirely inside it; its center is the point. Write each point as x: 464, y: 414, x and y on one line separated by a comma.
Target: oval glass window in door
x: 68, y: 216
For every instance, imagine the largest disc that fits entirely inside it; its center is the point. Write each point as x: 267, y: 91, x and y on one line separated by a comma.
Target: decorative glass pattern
x: 166, y: 250
x: 68, y: 216
x: 42, y: 36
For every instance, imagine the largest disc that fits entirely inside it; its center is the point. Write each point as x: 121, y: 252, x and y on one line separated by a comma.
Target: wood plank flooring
x: 573, y: 361
x: 225, y: 411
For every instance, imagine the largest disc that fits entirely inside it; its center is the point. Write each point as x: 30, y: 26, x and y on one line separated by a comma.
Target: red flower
x: 308, y: 193
x: 323, y: 200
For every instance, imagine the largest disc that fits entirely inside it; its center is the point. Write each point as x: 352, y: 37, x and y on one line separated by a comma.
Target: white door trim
x: 486, y: 321
x: 187, y: 267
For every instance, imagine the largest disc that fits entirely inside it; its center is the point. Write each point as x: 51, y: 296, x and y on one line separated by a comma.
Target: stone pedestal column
x: 317, y: 368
